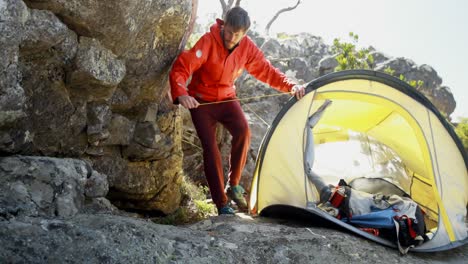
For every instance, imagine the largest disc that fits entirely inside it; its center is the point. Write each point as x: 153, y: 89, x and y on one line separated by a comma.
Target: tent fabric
x: 389, y: 122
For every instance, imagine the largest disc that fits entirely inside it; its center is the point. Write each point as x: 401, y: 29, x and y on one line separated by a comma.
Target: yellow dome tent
x: 377, y: 131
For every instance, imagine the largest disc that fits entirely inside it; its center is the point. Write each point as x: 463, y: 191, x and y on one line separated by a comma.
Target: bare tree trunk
x: 267, y: 28
x: 226, y: 6
x: 191, y: 24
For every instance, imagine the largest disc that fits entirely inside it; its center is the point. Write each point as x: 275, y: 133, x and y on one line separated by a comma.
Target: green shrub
x: 462, y: 131
x: 195, y: 206
x: 283, y: 35
x: 349, y: 57
x: 413, y: 83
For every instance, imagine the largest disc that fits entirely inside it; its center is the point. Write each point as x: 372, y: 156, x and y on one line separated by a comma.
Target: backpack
x: 397, y: 218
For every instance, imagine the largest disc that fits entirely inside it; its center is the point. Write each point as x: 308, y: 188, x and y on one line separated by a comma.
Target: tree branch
x: 223, y: 4
x: 226, y: 6
x: 267, y: 28
x: 223, y: 8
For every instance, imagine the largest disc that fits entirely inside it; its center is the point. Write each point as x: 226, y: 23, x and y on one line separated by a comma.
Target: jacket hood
x: 215, y: 31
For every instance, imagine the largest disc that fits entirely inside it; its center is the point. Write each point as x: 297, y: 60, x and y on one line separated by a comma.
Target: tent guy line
x: 245, y: 98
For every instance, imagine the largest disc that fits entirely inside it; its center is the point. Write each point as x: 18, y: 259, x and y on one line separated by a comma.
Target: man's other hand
x: 298, y: 91
x: 188, y: 101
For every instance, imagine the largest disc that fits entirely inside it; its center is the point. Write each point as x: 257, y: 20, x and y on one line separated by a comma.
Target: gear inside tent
x: 381, y: 137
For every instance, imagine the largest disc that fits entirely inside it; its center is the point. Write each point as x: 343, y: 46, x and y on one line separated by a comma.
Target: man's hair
x: 237, y: 18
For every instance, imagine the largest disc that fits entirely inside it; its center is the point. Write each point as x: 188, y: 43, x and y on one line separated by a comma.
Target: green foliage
x: 349, y: 57
x: 462, y: 131
x: 389, y: 71
x: 192, y: 40
x: 413, y: 83
x: 283, y: 35
x: 199, y: 30
x: 195, y: 208
x: 203, y: 209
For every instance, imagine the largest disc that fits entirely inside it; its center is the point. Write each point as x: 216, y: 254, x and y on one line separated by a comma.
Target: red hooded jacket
x: 214, y: 69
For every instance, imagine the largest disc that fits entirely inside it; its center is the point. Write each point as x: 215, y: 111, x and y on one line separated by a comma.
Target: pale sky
x: 432, y: 32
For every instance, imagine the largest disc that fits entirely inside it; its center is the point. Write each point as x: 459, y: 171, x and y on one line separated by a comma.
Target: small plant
x: 389, y: 71
x: 349, y: 57
x: 203, y: 209
x: 413, y: 83
x: 195, y: 206
x: 462, y: 131
x: 282, y: 35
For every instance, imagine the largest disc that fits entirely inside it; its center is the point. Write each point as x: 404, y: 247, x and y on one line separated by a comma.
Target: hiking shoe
x: 236, y: 193
x: 226, y: 210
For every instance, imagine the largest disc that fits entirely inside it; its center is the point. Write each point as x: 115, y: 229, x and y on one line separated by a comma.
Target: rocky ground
x: 104, y: 238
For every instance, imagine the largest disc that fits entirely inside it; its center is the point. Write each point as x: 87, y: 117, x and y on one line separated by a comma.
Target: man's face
x: 231, y: 37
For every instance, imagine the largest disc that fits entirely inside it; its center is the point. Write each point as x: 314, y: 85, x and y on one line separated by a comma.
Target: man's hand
x: 188, y: 101
x: 298, y: 91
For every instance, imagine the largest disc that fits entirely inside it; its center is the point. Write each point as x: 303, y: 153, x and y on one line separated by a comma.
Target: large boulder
x: 432, y: 87
x: 96, y: 71
x: 13, y: 16
x: 297, y: 55
x: 88, y: 80
x: 145, y: 34
x: 47, y: 187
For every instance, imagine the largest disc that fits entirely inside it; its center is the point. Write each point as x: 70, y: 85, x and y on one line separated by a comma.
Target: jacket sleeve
x: 188, y: 62
x: 261, y: 68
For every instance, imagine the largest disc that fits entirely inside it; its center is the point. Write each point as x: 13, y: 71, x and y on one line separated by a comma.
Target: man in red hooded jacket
x: 214, y: 63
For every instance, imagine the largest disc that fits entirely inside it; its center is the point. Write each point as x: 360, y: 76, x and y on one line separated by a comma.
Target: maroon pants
x: 231, y: 116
